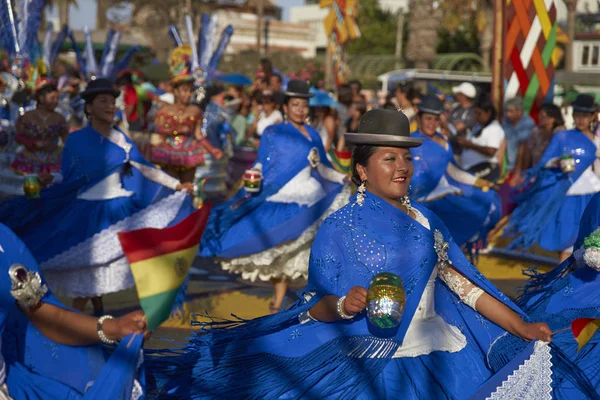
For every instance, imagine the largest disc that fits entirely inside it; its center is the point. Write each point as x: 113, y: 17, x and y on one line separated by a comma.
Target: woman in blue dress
x: 559, y: 187
x: 48, y: 352
x: 106, y: 186
x: 268, y: 235
x: 571, y: 291
x: 324, y: 347
x: 466, y: 204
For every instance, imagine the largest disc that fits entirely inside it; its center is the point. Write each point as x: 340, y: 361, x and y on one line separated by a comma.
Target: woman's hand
x: 217, y: 154
x: 463, y: 141
x: 187, y: 187
x: 535, y: 331
x: 355, y: 301
x: 118, y: 328
x: 45, y: 179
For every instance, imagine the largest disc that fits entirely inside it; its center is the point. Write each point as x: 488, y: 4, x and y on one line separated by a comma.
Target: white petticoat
x: 288, y: 260
x: 97, y: 266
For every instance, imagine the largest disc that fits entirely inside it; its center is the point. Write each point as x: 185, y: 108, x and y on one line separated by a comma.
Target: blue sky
x: 85, y: 15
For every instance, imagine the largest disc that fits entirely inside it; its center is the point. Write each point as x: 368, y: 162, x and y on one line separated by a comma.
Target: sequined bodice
x: 172, y: 123
x: 34, y: 126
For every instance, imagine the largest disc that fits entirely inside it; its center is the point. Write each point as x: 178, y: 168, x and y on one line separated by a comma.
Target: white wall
x: 313, y: 16
x: 583, y: 6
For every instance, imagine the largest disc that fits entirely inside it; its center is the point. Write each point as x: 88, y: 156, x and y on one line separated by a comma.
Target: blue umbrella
x: 234, y: 79
x: 321, y: 98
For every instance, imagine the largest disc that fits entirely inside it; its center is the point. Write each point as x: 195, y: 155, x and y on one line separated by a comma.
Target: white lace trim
x: 91, y: 281
x: 4, y: 394
x: 104, y: 247
x: 136, y: 391
x: 302, y: 189
x: 263, y: 265
x: 533, y: 379
x: 587, y: 183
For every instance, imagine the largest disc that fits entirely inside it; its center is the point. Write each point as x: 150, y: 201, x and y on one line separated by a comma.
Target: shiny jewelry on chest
x: 313, y: 157
x: 440, y: 246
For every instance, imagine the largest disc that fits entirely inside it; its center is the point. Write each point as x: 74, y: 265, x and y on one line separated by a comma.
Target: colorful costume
x: 39, y: 135
x: 268, y: 235
x: 109, y: 185
x: 464, y: 202
x: 175, y: 144
x: 440, y: 349
x: 550, y: 207
x: 571, y: 291
x: 36, y: 367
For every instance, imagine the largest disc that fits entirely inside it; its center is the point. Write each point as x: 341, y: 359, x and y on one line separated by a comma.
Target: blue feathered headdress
x: 107, y: 67
x: 208, y: 51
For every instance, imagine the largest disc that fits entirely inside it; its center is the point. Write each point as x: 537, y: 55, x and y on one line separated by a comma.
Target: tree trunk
x: 259, y: 25
x: 101, y: 14
x: 571, y: 14
x: 63, y: 13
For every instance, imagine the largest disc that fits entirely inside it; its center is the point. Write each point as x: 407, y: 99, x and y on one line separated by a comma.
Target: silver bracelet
x: 101, y: 334
x: 340, y: 309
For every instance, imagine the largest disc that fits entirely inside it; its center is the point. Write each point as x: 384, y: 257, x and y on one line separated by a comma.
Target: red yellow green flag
x: 583, y: 329
x: 160, y: 260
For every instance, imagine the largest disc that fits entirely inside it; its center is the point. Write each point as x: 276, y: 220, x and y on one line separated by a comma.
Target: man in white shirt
x: 480, y: 155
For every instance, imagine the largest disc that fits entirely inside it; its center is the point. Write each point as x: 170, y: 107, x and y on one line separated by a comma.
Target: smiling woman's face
x: 388, y: 172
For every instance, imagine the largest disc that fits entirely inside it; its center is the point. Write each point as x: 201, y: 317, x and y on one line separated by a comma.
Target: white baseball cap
x: 465, y: 88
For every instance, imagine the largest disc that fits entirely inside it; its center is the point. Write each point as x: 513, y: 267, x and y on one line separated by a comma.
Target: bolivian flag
x: 160, y: 260
x: 341, y: 160
x: 583, y: 330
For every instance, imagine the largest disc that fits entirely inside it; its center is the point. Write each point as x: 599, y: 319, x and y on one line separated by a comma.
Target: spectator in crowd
x: 462, y: 117
x: 264, y: 70
x: 356, y: 112
x: 325, y: 121
x: 239, y: 107
x: 550, y: 121
x: 480, y: 155
x: 130, y: 101
x: 405, y: 96
x: 275, y: 87
x: 357, y: 88
x: 345, y: 98
x: 270, y: 114
x: 517, y: 126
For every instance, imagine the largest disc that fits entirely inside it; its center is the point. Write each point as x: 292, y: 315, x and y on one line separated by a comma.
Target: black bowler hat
x: 431, y: 105
x: 384, y: 128
x: 214, y: 89
x: 298, y: 88
x: 584, y: 103
x: 99, y: 86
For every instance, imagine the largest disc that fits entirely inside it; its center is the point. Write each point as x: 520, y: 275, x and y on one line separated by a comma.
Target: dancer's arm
x: 326, y: 309
x: 75, y: 329
x: 491, y: 308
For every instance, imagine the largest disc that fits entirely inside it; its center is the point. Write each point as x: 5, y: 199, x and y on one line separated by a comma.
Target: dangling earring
x: 360, y: 195
x: 405, y: 201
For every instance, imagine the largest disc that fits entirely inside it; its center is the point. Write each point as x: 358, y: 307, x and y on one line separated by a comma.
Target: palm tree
x: 423, y: 36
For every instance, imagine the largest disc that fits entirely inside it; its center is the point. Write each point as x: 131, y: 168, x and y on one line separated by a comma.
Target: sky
x: 85, y: 14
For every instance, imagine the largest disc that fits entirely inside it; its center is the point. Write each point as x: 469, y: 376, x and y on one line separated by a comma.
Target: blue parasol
x: 234, y: 79
x: 321, y: 98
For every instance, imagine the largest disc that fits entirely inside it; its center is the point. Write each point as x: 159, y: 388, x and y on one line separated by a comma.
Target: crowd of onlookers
x: 484, y: 144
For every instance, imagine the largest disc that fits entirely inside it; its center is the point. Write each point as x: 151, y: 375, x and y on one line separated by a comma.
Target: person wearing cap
x: 326, y: 345
x: 266, y: 235
x: 72, y: 228
x: 462, y: 117
x: 560, y: 186
x: 465, y: 203
x: 178, y: 146
x: 517, y: 127
x: 40, y: 132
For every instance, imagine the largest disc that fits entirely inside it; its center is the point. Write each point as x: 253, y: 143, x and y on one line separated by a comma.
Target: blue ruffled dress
x: 290, y: 356
x: 451, y: 193
x: 549, y: 209
x: 72, y: 228
x: 40, y: 369
x: 268, y: 234
x: 570, y: 291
